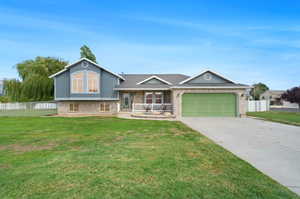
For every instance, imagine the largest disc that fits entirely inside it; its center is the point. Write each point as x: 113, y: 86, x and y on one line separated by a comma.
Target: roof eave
x: 59, y: 72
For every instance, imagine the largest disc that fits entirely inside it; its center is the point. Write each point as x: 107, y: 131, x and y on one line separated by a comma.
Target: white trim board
x: 205, y: 71
x: 154, y: 77
x: 66, y: 67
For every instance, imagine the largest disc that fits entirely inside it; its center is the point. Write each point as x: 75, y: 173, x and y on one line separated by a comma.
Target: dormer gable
x: 154, y: 80
x: 85, y: 63
x: 207, y: 77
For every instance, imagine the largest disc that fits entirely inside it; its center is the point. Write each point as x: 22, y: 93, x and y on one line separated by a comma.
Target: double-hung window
x: 148, y: 98
x: 153, y: 97
x: 158, y: 98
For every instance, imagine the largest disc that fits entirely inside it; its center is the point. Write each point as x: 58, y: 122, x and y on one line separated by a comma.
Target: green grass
x: 94, y: 157
x: 282, y: 117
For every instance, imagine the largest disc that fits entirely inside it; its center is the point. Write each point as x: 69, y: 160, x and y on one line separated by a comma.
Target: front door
x: 126, y: 102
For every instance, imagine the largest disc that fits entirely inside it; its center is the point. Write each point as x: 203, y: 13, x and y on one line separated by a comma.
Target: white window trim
x: 145, y: 97
x: 85, y: 83
x: 162, y: 97
x: 153, y: 97
x: 71, y: 81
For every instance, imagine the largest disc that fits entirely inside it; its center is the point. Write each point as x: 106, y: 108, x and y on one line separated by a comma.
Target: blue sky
x: 248, y: 41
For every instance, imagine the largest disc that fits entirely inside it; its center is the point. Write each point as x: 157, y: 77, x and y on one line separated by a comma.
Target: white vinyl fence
x: 258, y: 105
x: 28, y: 109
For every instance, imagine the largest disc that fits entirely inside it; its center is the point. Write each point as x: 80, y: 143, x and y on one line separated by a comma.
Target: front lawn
x: 282, y: 117
x: 94, y: 157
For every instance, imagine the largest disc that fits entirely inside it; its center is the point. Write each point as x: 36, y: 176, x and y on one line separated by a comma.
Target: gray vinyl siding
x: 62, y: 85
x: 107, y: 82
x: 201, y: 80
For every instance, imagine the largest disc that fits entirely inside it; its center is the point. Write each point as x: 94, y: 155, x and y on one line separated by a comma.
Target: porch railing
x: 140, y: 107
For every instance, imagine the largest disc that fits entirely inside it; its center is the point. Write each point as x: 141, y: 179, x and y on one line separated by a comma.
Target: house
x: 85, y: 87
x: 275, y: 101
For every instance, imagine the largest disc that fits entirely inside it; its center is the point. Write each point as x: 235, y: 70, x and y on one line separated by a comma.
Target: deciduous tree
x: 34, y: 83
x: 257, y: 90
x: 292, y: 95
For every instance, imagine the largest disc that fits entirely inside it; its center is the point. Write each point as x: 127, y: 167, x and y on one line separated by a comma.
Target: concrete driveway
x: 272, y: 148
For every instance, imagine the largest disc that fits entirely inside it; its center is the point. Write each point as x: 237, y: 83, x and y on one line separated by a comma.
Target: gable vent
x: 207, y: 76
x: 84, y: 64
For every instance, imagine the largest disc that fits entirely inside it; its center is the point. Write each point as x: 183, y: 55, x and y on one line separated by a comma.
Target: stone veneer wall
x: 86, y: 107
x: 138, y: 97
x: 241, y: 99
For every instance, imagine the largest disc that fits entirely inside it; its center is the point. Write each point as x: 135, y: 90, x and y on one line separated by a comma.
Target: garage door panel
x: 208, y: 104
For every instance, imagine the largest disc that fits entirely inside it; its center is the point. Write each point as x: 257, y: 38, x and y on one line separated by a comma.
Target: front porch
x: 146, y: 102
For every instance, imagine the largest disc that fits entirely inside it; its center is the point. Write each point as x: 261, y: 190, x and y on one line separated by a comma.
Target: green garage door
x: 208, y: 104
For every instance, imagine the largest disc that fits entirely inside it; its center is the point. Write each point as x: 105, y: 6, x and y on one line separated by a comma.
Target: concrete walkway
x: 272, y: 148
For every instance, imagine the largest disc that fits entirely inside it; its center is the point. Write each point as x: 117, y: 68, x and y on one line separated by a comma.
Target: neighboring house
x: 1, y: 87
x: 274, y: 98
x: 85, y: 87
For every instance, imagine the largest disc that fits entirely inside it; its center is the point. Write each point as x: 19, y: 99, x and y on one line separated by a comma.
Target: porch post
x: 118, y: 107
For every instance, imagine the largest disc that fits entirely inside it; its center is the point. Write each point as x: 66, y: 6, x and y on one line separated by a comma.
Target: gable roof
x: 206, y: 71
x: 85, y: 59
x: 154, y: 77
x: 132, y: 80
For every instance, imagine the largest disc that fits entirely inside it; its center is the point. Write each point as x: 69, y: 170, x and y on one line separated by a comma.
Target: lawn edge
x: 273, y: 120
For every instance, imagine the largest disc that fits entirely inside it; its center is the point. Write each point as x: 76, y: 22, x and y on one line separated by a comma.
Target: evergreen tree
x: 85, y: 52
